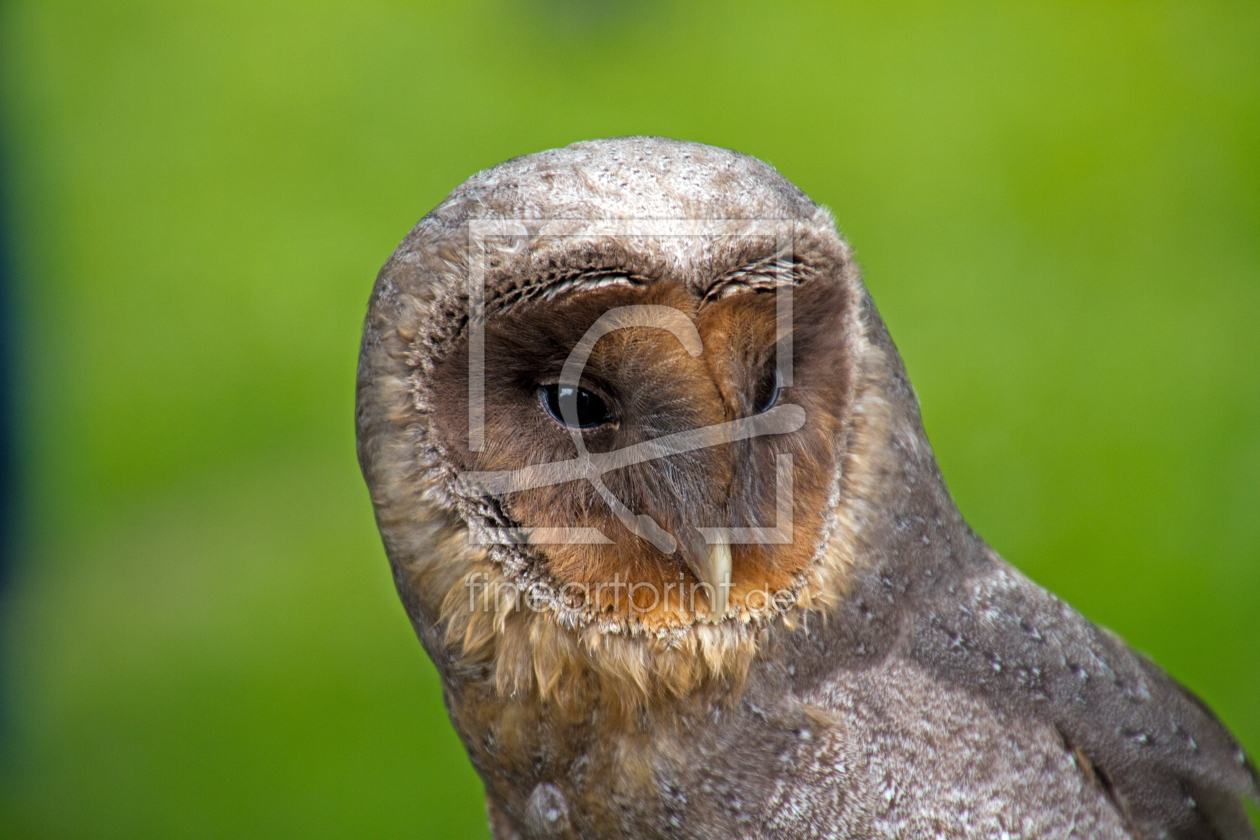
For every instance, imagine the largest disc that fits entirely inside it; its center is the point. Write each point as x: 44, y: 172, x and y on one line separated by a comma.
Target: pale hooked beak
x: 711, y: 563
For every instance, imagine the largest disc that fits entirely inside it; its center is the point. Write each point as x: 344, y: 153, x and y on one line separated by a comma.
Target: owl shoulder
x: 1155, y: 750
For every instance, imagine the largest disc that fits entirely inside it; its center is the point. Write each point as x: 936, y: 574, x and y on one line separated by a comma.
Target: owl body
x: 657, y: 498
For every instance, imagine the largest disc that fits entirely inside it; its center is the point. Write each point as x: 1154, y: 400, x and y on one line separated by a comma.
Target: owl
x: 658, y: 501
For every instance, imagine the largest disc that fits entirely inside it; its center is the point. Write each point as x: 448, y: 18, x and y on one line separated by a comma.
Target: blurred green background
x: 1058, y: 211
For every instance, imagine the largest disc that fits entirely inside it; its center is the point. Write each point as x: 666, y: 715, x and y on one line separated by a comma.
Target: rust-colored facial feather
x: 653, y: 387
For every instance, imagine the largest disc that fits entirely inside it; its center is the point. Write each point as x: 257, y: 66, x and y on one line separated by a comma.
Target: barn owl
x: 658, y: 501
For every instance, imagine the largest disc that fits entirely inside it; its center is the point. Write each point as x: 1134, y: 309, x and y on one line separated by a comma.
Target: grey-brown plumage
x: 913, y: 684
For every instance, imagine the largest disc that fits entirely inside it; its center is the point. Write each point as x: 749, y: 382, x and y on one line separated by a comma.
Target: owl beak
x: 711, y: 564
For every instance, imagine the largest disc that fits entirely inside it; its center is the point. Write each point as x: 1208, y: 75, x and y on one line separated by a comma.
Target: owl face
x: 661, y: 444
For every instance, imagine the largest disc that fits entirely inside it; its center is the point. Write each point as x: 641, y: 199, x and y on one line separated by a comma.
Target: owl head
x: 616, y: 403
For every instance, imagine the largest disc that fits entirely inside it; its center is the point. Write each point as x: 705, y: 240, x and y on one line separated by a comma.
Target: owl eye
x: 574, y: 408
x: 767, y: 393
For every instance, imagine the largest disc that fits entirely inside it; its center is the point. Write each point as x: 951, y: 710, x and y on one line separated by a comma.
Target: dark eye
x: 574, y: 408
x: 767, y: 393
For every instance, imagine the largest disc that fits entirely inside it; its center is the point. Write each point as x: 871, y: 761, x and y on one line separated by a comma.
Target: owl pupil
x: 767, y: 393
x: 574, y: 408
